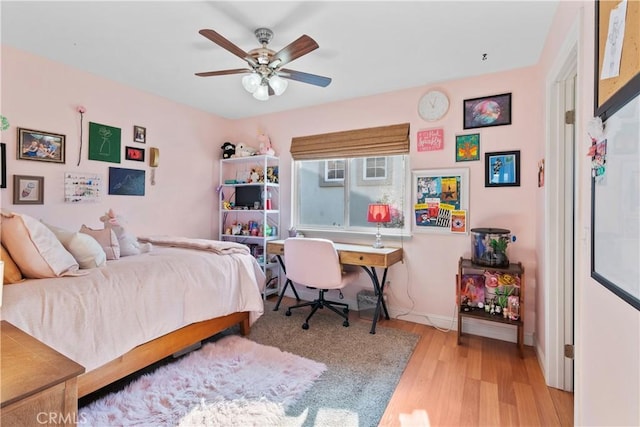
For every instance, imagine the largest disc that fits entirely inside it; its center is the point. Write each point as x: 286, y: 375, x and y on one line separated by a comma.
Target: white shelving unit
x: 249, y: 204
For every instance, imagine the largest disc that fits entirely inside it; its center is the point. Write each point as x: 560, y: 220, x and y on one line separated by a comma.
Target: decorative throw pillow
x: 12, y: 273
x: 84, y: 248
x: 34, y: 248
x: 107, y: 239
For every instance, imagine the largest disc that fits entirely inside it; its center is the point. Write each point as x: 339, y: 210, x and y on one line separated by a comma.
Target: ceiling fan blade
x: 224, y: 72
x: 226, y: 44
x: 303, y: 45
x: 304, y: 77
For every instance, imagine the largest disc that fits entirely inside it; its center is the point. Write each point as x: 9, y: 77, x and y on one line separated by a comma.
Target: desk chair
x: 315, y: 263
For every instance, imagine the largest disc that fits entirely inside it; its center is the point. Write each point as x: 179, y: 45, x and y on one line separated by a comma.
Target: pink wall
x: 430, y: 264
x: 43, y: 95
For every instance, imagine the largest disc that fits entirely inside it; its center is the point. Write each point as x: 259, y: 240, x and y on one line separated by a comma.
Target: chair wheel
x: 305, y: 326
x: 345, y: 323
x: 288, y: 313
x: 345, y: 310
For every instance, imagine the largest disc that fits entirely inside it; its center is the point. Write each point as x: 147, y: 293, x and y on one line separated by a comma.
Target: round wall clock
x: 433, y: 105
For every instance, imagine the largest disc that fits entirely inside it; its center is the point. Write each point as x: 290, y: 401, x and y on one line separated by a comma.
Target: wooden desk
x: 38, y: 384
x: 367, y: 257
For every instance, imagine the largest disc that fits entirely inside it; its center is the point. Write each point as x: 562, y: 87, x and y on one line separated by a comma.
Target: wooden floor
x: 482, y: 382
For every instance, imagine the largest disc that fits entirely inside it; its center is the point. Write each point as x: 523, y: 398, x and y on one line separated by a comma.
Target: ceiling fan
x: 265, y: 75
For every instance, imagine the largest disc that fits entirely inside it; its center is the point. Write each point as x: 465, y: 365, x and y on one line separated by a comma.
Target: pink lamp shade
x: 379, y: 213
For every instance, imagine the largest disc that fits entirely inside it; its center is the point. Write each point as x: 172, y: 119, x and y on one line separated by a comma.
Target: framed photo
x: 3, y: 165
x: 133, y: 153
x: 41, y: 146
x: 467, y: 147
x: 104, y: 143
x: 502, y: 169
x: 28, y: 190
x: 139, y: 134
x: 487, y: 111
x: 437, y: 195
x: 126, y: 182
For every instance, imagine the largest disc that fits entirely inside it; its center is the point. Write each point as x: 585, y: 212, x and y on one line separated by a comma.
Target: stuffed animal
x: 228, y: 150
x: 265, y: 145
x: 243, y: 150
x: 129, y: 245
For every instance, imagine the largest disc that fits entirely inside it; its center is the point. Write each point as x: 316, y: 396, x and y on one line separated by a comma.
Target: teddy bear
x: 228, y: 150
x: 265, y: 145
x: 129, y: 245
x: 243, y: 150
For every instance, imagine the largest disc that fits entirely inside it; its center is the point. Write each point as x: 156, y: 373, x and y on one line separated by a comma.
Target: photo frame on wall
x: 487, y: 111
x: 41, y: 146
x: 502, y: 169
x: 133, y: 153
x: 139, y: 134
x: 467, y: 147
x: 3, y: 165
x: 28, y: 190
x: 126, y: 182
x: 438, y: 196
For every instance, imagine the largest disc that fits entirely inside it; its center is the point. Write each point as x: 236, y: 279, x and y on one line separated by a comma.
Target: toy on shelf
x: 244, y: 150
x: 265, y: 145
x: 228, y: 150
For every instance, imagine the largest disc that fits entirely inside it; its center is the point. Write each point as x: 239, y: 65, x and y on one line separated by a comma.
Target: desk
x: 367, y: 257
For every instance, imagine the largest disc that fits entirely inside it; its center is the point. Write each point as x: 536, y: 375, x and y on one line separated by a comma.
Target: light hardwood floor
x: 482, y: 382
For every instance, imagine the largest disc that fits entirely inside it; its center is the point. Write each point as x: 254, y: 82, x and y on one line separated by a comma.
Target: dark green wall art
x: 104, y: 143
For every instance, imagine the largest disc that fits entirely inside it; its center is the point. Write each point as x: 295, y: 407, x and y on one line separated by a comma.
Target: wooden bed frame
x: 157, y: 349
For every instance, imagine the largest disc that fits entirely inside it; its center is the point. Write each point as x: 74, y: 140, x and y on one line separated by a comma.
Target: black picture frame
x: 139, y: 134
x: 134, y: 153
x: 3, y: 165
x: 126, y: 182
x: 487, y: 111
x: 502, y: 169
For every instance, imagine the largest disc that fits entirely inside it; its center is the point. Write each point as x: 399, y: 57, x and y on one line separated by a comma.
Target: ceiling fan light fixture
x: 278, y: 84
x: 261, y: 93
x: 251, y: 82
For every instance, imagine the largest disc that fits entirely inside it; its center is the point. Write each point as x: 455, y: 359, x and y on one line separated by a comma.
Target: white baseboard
x: 483, y: 328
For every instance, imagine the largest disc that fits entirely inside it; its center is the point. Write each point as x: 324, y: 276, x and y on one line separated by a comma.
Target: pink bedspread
x: 96, y: 318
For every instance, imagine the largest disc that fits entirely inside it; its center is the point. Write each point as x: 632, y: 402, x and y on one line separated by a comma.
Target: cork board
x: 630, y: 60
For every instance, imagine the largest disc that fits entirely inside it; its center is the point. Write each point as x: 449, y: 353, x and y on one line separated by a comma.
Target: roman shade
x: 378, y: 141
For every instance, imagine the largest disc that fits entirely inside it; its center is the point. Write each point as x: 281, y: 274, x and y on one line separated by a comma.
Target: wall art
x: 139, y: 134
x: 502, y: 169
x: 3, y: 165
x: 41, y: 146
x: 28, y: 190
x: 126, y: 182
x: 83, y: 187
x: 430, y: 139
x: 104, y: 143
x: 467, y: 147
x: 133, y: 153
x: 487, y: 111
x: 437, y: 194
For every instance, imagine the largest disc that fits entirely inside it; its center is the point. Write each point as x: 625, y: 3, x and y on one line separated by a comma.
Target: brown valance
x: 378, y: 141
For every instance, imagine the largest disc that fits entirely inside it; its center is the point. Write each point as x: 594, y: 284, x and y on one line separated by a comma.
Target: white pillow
x: 84, y: 248
x: 106, y: 238
x: 34, y: 248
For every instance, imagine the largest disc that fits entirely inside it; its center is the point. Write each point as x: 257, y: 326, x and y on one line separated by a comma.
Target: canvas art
x: 472, y: 289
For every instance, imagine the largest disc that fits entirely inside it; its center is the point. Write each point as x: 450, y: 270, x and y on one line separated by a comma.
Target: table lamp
x: 379, y: 213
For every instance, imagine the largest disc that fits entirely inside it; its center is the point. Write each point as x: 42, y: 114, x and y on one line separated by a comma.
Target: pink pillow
x: 34, y: 248
x: 107, y: 239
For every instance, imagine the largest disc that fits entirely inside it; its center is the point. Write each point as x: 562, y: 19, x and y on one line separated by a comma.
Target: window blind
x: 378, y: 141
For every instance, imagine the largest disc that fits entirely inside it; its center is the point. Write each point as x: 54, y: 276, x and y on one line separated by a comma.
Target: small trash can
x: 367, y: 301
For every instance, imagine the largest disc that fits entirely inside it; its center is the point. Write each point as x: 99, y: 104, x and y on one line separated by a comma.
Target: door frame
x: 559, y: 318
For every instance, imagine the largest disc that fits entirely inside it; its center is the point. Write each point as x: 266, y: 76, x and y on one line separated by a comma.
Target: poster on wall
x: 126, y: 182
x: 104, y: 143
x: 430, y: 139
x: 439, y: 196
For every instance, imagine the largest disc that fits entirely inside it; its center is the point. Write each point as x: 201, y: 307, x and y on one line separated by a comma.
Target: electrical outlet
x: 388, y: 284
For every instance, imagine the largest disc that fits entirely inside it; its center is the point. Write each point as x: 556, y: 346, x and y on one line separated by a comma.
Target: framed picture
x: 3, y: 165
x: 126, y: 182
x: 41, y: 146
x: 487, y: 111
x: 139, y: 134
x: 502, y: 169
x: 437, y: 194
x: 104, y: 143
x: 133, y: 153
x: 28, y: 190
x: 467, y: 147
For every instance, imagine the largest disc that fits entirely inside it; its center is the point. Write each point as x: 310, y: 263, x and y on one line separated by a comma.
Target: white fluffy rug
x: 230, y: 382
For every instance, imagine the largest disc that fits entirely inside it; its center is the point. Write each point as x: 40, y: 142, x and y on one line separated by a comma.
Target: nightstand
x: 38, y: 385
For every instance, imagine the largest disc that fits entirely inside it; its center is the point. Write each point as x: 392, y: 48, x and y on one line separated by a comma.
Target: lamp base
x: 378, y: 243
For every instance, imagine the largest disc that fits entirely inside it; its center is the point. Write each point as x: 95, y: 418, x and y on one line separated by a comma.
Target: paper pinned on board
x: 615, y: 40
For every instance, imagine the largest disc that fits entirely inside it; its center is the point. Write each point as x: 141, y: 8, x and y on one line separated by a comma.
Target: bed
x: 131, y: 312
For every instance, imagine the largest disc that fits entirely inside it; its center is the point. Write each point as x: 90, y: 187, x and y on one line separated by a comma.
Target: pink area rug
x: 230, y: 382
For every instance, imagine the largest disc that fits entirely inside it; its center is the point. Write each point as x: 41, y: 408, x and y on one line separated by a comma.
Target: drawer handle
x: 361, y: 257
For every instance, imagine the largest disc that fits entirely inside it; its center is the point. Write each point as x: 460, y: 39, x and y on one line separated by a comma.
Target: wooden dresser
x: 38, y: 384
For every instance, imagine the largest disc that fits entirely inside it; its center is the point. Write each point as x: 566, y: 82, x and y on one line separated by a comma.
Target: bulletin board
x: 610, y: 90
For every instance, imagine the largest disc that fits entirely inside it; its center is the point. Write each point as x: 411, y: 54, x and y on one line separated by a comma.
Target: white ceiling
x: 365, y: 47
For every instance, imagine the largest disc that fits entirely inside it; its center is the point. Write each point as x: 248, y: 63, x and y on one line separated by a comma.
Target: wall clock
x: 433, y: 105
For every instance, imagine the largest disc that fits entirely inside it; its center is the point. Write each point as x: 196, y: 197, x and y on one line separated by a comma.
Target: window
x: 321, y: 204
